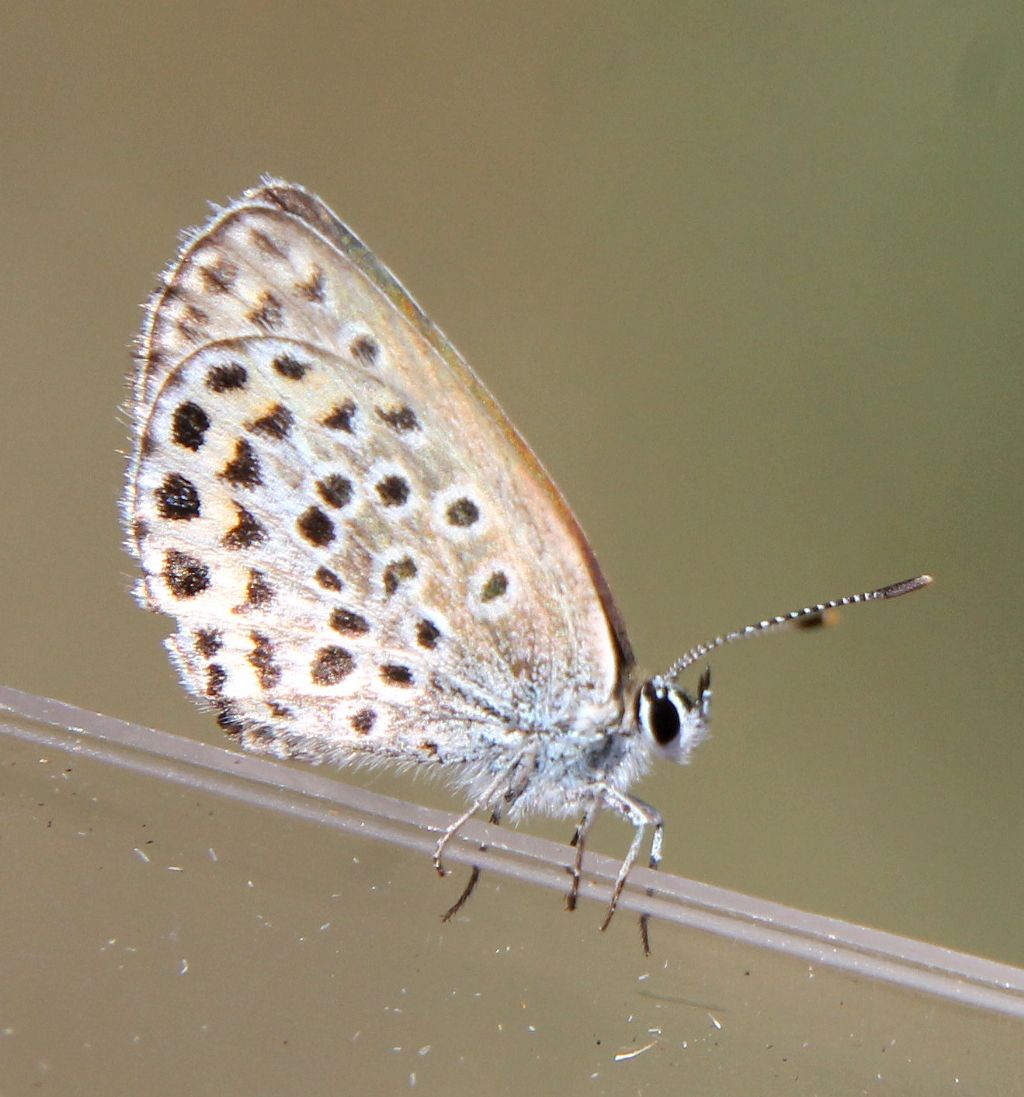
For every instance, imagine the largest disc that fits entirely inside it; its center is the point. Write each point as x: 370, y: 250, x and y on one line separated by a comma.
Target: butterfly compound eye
x: 658, y: 710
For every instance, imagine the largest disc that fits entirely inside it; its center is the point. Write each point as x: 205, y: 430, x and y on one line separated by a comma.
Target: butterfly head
x: 672, y: 721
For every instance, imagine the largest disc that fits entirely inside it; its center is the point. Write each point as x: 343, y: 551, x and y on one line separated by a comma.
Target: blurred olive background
x: 747, y: 276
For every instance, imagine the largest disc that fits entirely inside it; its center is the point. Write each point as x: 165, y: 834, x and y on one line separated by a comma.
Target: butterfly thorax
x: 559, y: 772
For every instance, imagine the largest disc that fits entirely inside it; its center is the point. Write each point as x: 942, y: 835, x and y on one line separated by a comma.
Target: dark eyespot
x: 216, y: 676
x: 268, y: 312
x: 261, y: 659
x: 230, y: 721
x: 267, y: 245
x: 208, y: 642
x: 495, y: 587
x: 192, y: 322
x: 393, y: 491
x: 258, y: 592
x: 463, y: 512
x: 313, y: 287
x: 220, y: 277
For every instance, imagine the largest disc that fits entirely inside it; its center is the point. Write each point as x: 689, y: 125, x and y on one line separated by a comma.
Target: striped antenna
x: 806, y: 616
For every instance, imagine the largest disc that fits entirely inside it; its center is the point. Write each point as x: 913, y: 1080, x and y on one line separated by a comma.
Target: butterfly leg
x: 514, y: 779
x: 474, y: 876
x: 653, y: 863
x: 579, y: 840
x: 642, y: 816
x: 485, y: 800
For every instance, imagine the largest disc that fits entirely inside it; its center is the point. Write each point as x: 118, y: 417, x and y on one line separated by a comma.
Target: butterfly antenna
x: 809, y: 615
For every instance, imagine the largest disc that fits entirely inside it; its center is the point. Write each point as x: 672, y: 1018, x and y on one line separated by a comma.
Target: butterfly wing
x: 360, y: 552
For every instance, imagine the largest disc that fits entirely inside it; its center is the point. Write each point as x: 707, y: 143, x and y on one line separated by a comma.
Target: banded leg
x: 485, y: 800
x: 653, y: 862
x: 474, y: 876
x: 579, y: 840
x: 515, y: 778
x: 642, y: 816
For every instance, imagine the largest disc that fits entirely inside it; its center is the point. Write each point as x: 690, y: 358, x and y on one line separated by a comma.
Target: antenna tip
x: 895, y: 590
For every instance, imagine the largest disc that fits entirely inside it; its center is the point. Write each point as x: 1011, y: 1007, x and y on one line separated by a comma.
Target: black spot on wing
x: 243, y: 470
x: 335, y: 490
x: 261, y: 659
x: 258, y: 591
x: 226, y: 378
x: 463, y: 512
x: 287, y: 365
x: 365, y: 350
x: 327, y: 579
x: 275, y: 425
x: 341, y: 417
x: 393, y: 491
x: 314, y: 525
x: 208, y: 642
x: 363, y: 721
x: 427, y: 634
x: 495, y: 587
x: 349, y: 623
x: 245, y: 533
x: 185, y: 575
x: 177, y: 498
x: 189, y: 425
x: 397, y: 573
x: 401, y: 420
x: 330, y: 665
x: 396, y: 675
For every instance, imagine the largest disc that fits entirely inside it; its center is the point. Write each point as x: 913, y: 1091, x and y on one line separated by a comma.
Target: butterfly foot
x: 467, y: 891
x: 439, y: 851
x: 645, y: 938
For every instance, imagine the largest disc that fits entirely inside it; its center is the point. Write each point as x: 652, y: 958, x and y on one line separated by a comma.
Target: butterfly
x: 363, y: 557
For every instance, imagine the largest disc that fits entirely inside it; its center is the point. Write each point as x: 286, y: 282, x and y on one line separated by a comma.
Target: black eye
x: 664, y: 720
x: 659, y: 715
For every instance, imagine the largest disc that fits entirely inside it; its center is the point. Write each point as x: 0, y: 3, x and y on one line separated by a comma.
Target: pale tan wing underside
x: 359, y: 550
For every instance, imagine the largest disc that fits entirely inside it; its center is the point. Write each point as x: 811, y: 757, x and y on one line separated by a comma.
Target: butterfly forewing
x: 360, y: 552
